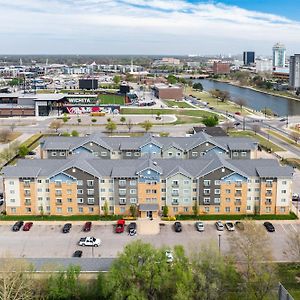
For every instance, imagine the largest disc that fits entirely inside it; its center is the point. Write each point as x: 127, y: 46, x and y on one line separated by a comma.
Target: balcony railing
x: 122, y: 183
x: 58, y: 203
x: 176, y: 194
x: 26, y: 184
x: 58, y: 194
x: 268, y: 203
x: 122, y: 193
x: 237, y: 203
x: 268, y: 194
x: 175, y: 185
x: 238, y: 194
x: 27, y: 194
x: 238, y: 184
x: 58, y: 184
x: 269, y: 184
x: 175, y: 203
x: 27, y: 203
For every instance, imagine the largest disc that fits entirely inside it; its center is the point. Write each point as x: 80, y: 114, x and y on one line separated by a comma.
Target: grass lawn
x: 264, y: 142
x: 12, y: 136
x: 111, y: 99
x: 282, y: 137
x: 294, y: 162
x: 289, y: 274
x: 186, y: 120
x: 180, y: 104
x: 225, y: 106
x: 291, y: 216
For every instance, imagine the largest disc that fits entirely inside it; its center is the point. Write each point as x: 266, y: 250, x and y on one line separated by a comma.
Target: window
x: 175, y: 201
x: 132, y: 182
x: 122, y: 182
x: 268, y: 209
x: 163, y: 190
x: 53, y: 153
x: 110, y: 190
x: 136, y: 154
x: 238, y: 209
x: 256, y: 198
x: 256, y: 189
x: 47, y: 190
x: 186, y: 191
x: 12, y: 191
x: 40, y: 190
x: 244, y: 154
x: 91, y: 200
x: 79, y: 200
x: 47, y: 198
x: 228, y: 200
x: 47, y: 208
x: 122, y: 200
x: 90, y: 182
x: 102, y: 190
x: 58, y: 201
x: 186, y: 209
x: 283, y: 200
x: 58, y: 192
x: 235, y: 154
x: 206, y: 209
x: 12, y: 200
x: 103, y: 153
x: 90, y: 192
x: 79, y: 182
x: 194, y: 154
x: 175, y: 209
x: 206, y: 182
x: 58, y: 209
x: 195, y: 180
x: 103, y: 198
x: 62, y: 154
x: 80, y: 209
x: 102, y: 181
x: 227, y: 209
x: 111, y: 208
x: 128, y: 153
x: 283, y: 191
x: 132, y: 191
x: 40, y: 198
x: 91, y: 209
x: 217, y: 209
x: 282, y: 209
x: 206, y: 191
x: 13, y: 210
x: 11, y: 183
x: 79, y: 191
x: 132, y: 200
x: 217, y: 191
x: 217, y: 182
x: 228, y: 191
x: 206, y: 200
x: 194, y: 190
x: 186, y: 200
x: 248, y: 207
x: 257, y: 181
x: 70, y: 209
x: 122, y: 192
x: 186, y: 182
x: 47, y: 181
x: 170, y: 154
x: 69, y: 191
x: 217, y: 200
x: 28, y: 209
x: 111, y: 198
x: 69, y: 200
x: 284, y: 182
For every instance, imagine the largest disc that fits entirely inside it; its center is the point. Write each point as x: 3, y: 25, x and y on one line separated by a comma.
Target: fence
x: 283, y: 294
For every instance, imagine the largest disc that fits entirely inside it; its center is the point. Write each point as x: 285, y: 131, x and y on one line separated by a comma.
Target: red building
x: 221, y: 68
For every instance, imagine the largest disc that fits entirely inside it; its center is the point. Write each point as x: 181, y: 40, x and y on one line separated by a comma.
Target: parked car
x: 282, y: 119
x: 199, y: 226
x: 295, y: 197
x: 77, y: 253
x: 236, y: 123
x: 89, y: 241
x: 132, y: 228
x: 269, y: 226
x: 177, y: 227
x: 31, y: 153
x: 237, y: 113
x: 219, y: 225
x: 67, y: 227
x: 27, y: 226
x: 239, y: 225
x: 17, y: 226
x: 1, y: 202
x: 87, y: 226
x: 120, y: 226
x: 229, y: 226
x: 169, y: 256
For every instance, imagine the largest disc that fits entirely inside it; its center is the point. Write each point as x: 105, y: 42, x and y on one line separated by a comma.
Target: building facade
x: 295, y: 71
x: 248, y: 58
x: 279, y: 51
x: 85, y: 185
x: 221, y: 68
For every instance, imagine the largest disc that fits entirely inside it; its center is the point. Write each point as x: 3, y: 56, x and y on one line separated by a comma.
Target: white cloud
x: 138, y: 26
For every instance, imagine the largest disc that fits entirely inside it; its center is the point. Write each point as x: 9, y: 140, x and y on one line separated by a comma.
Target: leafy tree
x: 56, y: 124
x: 15, y: 81
x: 117, y: 79
x: 78, y: 121
x: 147, y: 125
x: 64, y: 285
x: 5, y: 135
x: 220, y: 95
x: 74, y: 133
x: 164, y: 134
x: 111, y: 127
x: 129, y: 125
x: 195, y: 208
x: 133, y: 210
x: 65, y: 118
x: 172, y: 79
x: 23, y: 150
x: 165, y: 211
x: 122, y: 119
x: 198, y: 86
x: 227, y: 125
x: 65, y: 134
x: 105, y: 208
x: 210, y: 121
x: 256, y: 128
x: 295, y: 136
x: 241, y: 102
x: 94, y: 120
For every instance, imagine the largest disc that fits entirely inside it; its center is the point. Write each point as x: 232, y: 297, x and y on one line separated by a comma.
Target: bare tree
x: 295, y: 136
x: 16, y: 280
x: 241, y: 102
x: 227, y: 126
x: 56, y: 124
x: 4, y: 135
x: 129, y: 124
x: 12, y: 126
x: 253, y: 251
x: 293, y: 246
x: 256, y: 128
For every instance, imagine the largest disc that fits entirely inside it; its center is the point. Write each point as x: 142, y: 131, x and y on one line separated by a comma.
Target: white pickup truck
x: 89, y: 241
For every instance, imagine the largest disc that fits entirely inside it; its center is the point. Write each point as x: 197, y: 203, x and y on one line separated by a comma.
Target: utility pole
x: 219, y: 242
x: 244, y: 123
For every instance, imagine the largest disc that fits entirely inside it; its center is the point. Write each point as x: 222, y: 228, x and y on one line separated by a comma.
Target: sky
x: 166, y: 27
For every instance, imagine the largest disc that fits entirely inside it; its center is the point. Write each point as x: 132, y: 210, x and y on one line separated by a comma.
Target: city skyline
x: 147, y: 27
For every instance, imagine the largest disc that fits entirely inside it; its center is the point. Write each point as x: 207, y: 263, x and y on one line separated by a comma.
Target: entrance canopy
x: 148, y: 207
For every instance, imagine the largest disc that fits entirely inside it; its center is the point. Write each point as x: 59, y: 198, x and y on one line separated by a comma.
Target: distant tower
x: 46, y: 66
x: 131, y: 67
x: 279, y: 55
x: 21, y: 62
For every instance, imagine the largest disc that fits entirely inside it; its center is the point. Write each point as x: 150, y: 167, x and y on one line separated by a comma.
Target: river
x: 256, y: 100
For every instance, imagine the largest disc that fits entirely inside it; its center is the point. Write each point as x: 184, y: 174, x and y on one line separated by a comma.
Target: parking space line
x: 283, y: 228
x: 293, y: 227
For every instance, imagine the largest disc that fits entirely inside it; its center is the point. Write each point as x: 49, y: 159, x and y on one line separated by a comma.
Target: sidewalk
x: 22, y: 138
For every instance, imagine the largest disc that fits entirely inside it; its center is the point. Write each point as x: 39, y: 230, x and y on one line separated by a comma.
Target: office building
x: 263, y: 65
x: 220, y: 68
x: 279, y: 51
x: 248, y: 58
x: 295, y: 71
x: 165, y: 91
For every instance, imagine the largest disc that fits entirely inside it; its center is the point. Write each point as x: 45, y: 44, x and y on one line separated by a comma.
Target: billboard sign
x: 78, y: 110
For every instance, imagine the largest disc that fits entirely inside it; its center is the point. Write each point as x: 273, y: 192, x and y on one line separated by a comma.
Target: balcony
x: 122, y: 184
x: 26, y: 184
x: 175, y: 203
x: 268, y: 194
x: 58, y: 202
x: 27, y: 194
x: 58, y: 184
x: 27, y: 203
x: 268, y: 202
x: 122, y: 193
x: 238, y: 203
x: 238, y: 194
x: 238, y: 184
x: 175, y: 185
x: 175, y: 194
x: 269, y: 184
x: 58, y: 194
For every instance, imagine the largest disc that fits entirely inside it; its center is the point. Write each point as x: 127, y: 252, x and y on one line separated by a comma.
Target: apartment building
x: 84, y: 184
x: 193, y: 147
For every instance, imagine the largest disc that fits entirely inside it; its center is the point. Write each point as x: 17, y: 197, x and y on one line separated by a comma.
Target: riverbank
x: 255, y: 89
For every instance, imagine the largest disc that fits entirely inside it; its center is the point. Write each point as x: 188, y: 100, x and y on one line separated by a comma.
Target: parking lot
x: 44, y: 241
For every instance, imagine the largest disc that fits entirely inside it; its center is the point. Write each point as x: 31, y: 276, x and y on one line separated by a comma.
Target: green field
x: 289, y: 274
x: 180, y: 104
x: 111, y: 99
x: 264, y: 142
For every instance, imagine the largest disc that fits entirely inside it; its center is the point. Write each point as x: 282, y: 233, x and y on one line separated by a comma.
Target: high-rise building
x: 249, y: 58
x: 279, y: 55
x: 295, y: 71
x: 221, y: 68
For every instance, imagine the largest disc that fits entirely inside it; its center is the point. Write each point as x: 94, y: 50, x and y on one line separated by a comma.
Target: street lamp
x: 219, y: 242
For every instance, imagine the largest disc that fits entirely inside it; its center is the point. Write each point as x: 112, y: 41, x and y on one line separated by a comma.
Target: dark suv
x: 87, y: 226
x: 17, y: 226
x: 177, y: 227
x: 132, y: 229
x: 67, y: 227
